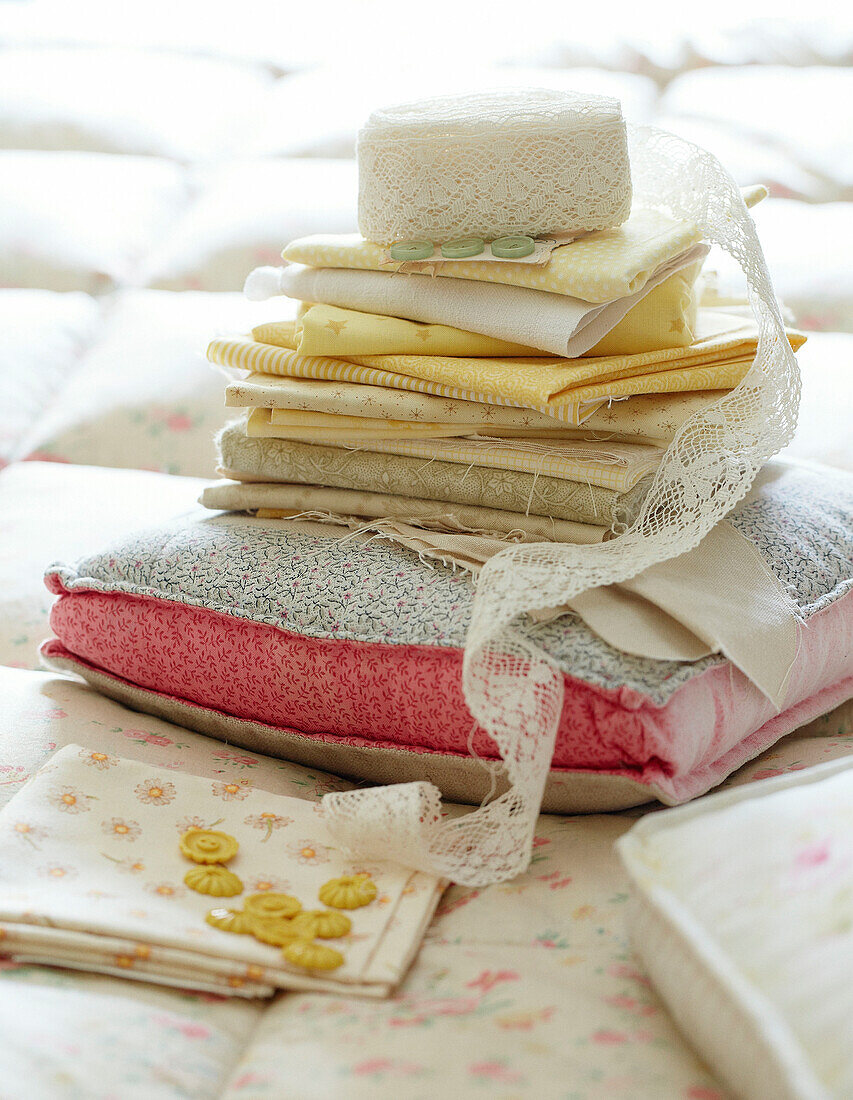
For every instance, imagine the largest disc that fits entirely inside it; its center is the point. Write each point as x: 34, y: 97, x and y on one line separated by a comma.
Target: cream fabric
x: 103, y: 888
x: 601, y: 267
x: 416, y: 511
x: 245, y: 459
x: 556, y: 323
x: 647, y: 419
x: 381, y: 403
x: 742, y: 914
x: 719, y: 598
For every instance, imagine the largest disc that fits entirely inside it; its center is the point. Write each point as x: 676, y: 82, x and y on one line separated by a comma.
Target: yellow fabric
x: 665, y: 318
x: 599, y: 267
x: 561, y: 387
x: 608, y: 464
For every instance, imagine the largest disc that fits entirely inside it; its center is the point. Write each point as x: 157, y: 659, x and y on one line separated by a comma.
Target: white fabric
x: 510, y: 687
x: 486, y: 165
x: 720, y: 597
x: 742, y: 916
x: 555, y: 323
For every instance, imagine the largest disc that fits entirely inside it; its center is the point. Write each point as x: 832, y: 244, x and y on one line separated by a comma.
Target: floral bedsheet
x: 526, y: 988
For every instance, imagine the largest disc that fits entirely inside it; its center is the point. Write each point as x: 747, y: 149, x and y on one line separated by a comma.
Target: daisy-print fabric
x: 92, y: 878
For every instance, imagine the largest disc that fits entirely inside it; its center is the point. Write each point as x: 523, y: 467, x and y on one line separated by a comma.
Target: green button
x: 513, y: 248
x: 462, y: 248
x: 412, y: 250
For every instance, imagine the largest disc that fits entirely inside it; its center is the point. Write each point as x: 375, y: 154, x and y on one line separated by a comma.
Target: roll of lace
x: 531, y: 162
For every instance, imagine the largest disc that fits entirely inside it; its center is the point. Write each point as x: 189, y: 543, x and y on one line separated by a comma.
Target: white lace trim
x: 487, y: 165
x: 511, y: 687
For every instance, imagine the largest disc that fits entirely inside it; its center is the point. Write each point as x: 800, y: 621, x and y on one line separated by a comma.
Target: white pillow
x: 144, y: 395
x: 743, y: 916
x: 81, y: 221
x: 824, y: 425
x: 126, y: 101
x: 245, y: 213
x: 803, y: 112
x: 42, y: 336
x: 317, y: 114
x: 808, y: 249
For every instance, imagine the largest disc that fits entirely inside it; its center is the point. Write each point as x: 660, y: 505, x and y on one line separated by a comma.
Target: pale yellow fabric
x: 600, y: 267
x: 647, y: 419
x: 563, y: 387
x: 320, y: 425
x: 330, y: 330
x: 665, y: 318
x: 460, y: 518
x: 610, y: 465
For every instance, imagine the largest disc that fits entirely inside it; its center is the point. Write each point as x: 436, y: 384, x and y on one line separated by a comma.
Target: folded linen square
x: 94, y: 881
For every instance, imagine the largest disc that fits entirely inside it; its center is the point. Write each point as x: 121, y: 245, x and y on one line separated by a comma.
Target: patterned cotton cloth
x: 92, y: 879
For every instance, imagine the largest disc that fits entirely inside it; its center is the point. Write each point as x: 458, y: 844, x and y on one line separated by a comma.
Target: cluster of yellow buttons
x: 276, y: 919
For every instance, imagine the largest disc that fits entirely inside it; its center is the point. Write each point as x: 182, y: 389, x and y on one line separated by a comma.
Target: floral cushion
x: 322, y: 651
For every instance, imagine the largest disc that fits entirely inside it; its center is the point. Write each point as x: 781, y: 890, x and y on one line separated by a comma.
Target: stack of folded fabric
x: 477, y: 393
x: 510, y: 370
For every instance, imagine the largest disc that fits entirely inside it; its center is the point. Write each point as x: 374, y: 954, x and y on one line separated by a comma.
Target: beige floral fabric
x: 245, y: 459
x: 93, y: 879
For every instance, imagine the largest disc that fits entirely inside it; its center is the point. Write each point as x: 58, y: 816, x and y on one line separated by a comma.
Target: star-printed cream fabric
x: 599, y: 267
x: 92, y: 878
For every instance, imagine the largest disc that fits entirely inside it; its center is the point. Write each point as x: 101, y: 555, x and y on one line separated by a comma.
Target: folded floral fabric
x: 611, y: 465
x: 567, y: 390
x: 647, y: 419
x: 96, y: 881
x: 599, y: 267
x: 664, y: 318
x: 556, y: 323
x: 245, y: 459
x: 321, y: 424
x: 282, y: 498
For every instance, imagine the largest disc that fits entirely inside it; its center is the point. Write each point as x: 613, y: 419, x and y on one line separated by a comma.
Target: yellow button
x: 230, y: 920
x: 213, y: 879
x: 326, y: 924
x: 348, y: 892
x: 313, y: 956
x: 272, y: 905
x: 208, y: 846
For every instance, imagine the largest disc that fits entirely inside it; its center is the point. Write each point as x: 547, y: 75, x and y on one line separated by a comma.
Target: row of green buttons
x: 506, y: 248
